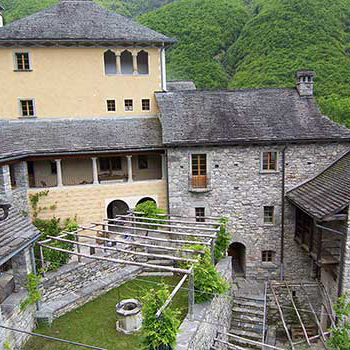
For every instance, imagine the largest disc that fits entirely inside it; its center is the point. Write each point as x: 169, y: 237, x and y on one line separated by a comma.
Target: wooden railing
x: 199, y: 181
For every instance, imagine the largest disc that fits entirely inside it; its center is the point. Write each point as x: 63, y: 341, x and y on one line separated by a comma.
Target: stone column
x: 134, y: 63
x: 130, y: 179
x: 20, y: 195
x: 164, y: 170
x: 59, y: 172
x: 21, y: 267
x: 119, y: 64
x: 95, y: 171
x: 5, y: 182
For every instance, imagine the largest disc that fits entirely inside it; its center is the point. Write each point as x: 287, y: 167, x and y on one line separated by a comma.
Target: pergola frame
x: 170, y: 247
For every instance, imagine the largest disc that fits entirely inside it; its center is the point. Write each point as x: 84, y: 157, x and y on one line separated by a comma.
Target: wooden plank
x: 172, y: 295
x: 282, y: 317
x: 298, y: 315
x: 249, y: 341
x: 153, y: 230
x: 169, y: 257
x: 313, y: 311
x: 142, y: 244
x: 152, y: 238
x: 177, y: 221
x: 118, y: 261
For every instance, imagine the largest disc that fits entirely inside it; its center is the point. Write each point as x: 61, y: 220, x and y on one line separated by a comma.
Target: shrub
x: 158, y: 334
x: 222, y: 242
x: 33, y: 293
x: 150, y: 210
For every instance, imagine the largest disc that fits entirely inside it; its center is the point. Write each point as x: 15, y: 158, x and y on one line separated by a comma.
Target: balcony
x: 199, y: 183
x: 96, y: 170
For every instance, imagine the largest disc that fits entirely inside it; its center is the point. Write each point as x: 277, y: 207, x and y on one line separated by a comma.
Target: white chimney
x: 305, y: 82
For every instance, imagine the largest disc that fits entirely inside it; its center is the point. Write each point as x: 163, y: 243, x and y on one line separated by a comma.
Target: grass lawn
x: 94, y: 323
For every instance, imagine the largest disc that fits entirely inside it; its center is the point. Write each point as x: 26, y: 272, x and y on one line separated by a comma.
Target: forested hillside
x: 246, y: 43
x: 16, y: 9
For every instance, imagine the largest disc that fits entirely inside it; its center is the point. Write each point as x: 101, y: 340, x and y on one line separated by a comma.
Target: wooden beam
x: 123, y: 250
x: 131, y: 223
x: 142, y: 244
x: 298, y: 315
x: 313, y: 311
x: 118, y: 261
x: 138, y: 220
x: 151, y: 238
x: 172, y: 295
x: 249, y: 341
x: 282, y: 317
x: 191, y: 296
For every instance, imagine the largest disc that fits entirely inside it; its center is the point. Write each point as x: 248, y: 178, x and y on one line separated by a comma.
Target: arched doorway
x: 116, y: 208
x: 237, y: 251
x: 146, y: 199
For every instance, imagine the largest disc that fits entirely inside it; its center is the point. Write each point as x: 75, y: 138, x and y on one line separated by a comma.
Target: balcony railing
x: 199, y: 182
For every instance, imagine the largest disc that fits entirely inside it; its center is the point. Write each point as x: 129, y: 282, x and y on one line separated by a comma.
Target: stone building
x: 104, y: 131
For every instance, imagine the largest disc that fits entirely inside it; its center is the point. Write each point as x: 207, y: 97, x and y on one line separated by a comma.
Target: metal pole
x: 32, y: 259
x: 191, y: 295
x: 212, y: 251
x: 42, y: 264
x: 78, y: 247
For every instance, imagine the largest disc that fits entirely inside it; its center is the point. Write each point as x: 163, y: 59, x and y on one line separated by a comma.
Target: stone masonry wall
x: 75, y: 276
x: 20, y: 193
x: 209, y: 317
x: 239, y: 191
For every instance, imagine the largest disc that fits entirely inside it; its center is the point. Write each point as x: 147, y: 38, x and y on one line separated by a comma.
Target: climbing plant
x: 207, y: 281
x: 51, y: 227
x: 150, y: 210
x: 223, y: 241
x: 33, y: 292
x: 340, y: 334
x: 158, y: 333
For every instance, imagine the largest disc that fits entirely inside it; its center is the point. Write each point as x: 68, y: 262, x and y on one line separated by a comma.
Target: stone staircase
x: 247, y: 314
x: 148, y: 271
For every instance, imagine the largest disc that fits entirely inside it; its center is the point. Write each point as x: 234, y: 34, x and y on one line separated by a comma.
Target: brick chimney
x: 1, y: 17
x: 305, y: 82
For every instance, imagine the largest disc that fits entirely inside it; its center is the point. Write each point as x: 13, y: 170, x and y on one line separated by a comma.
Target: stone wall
x: 239, y: 191
x: 20, y: 193
x: 209, y: 317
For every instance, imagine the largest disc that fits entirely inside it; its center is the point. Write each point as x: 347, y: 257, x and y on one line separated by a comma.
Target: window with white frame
x: 146, y: 104
x: 129, y: 105
x: 269, y: 161
x: 22, y: 61
x: 27, y: 108
x: 111, y: 106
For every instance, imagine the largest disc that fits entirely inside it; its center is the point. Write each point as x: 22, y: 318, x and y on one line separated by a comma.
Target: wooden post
x: 78, y: 247
x: 191, y: 295
x: 311, y: 241
x: 319, y: 254
x: 42, y: 263
x: 212, y: 251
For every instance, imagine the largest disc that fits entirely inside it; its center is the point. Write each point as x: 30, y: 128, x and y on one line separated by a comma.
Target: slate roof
x: 15, y: 233
x: 327, y: 193
x: 59, y: 136
x: 243, y: 116
x: 81, y: 20
x: 179, y: 85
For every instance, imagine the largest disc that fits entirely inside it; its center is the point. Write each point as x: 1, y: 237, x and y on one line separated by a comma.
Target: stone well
x: 129, y: 312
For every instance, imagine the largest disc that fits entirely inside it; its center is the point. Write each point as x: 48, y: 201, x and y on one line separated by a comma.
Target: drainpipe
x: 282, y: 213
x: 163, y: 68
x: 167, y: 181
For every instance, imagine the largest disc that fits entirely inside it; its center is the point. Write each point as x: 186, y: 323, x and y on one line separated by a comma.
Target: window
x: 126, y: 62
x: 143, y: 162
x: 111, y: 107
x: 267, y: 256
x: 142, y: 62
x: 22, y: 61
x: 146, y: 105
x: 269, y: 215
x: 53, y: 167
x: 27, y: 108
x: 269, y: 161
x: 110, y: 62
x: 200, y: 214
x: 110, y: 164
x: 129, y: 105
x: 199, y: 170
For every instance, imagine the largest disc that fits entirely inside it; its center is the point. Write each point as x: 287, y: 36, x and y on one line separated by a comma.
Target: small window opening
x: 142, y: 62
x: 269, y: 161
x: 143, y: 162
x: 109, y: 165
x: 126, y: 62
x: 27, y: 108
x: 129, y: 105
x: 111, y: 106
x: 200, y: 214
x: 22, y: 61
x: 13, y: 176
x: 146, y: 105
x: 110, y: 63
x: 53, y: 166
x: 269, y: 215
x: 267, y: 256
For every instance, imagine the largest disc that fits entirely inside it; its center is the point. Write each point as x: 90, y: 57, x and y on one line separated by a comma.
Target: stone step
x: 248, y: 311
x: 248, y: 318
x: 245, y: 297
x: 246, y: 334
x: 162, y: 262
x: 248, y: 304
x: 243, y: 344
x: 156, y: 274
x: 247, y: 326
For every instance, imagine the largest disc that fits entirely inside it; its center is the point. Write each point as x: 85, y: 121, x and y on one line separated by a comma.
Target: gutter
x: 282, y: 210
